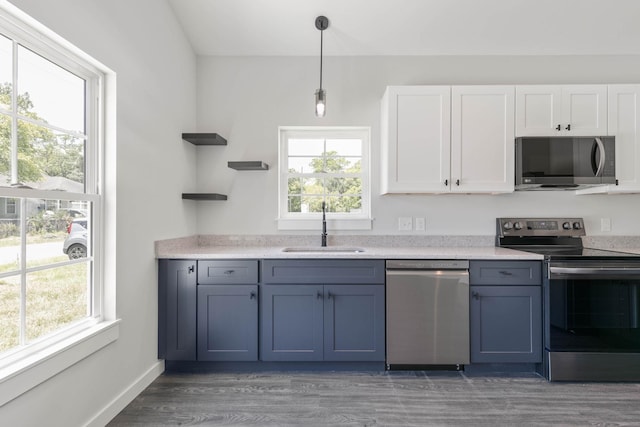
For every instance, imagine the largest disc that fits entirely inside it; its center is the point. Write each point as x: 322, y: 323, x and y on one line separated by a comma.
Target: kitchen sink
x: 323, y: 249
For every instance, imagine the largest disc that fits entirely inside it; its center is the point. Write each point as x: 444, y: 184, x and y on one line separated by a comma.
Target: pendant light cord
x: 321, y: 33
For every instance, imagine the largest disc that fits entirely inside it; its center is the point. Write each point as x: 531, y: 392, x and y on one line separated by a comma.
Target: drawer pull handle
x: 228, y: 272
x: 506, y: 273
x: 475, y: 295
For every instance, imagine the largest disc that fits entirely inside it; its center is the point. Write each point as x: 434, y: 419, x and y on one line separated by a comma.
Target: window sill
x: 332, y: 224
x: 27, y: 372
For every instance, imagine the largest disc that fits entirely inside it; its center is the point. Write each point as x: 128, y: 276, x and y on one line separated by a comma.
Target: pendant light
x: 322, y: 23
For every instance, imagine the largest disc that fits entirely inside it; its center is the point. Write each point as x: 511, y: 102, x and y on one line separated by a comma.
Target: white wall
x: 247, y: 98
x: 156, y: 71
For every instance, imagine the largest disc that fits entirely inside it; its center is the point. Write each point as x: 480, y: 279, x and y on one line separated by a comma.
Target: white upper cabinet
x: 482, y: 139
x: 441, y: 139
x: 415, y: 139
x: 624, y: 124
x: 563, y: 110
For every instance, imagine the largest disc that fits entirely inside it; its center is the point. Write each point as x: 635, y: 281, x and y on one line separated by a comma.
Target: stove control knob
x: 577, y: 226
x: 566, y: 225
x: 507, y: 225
x: 517, y: 226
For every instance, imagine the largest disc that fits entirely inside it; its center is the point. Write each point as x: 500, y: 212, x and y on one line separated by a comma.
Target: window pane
x: 9, y: 234
x: 306, y: 147
x: 306, y: 164
x: 9, y: 312
x: 56, y: 297
x: 50, y: 160
x: 56, y: 234
x: 50, y: 93
x: 6, y: 74
x: 342, y: 164
x: 346, y: 204
x: 345, y: 147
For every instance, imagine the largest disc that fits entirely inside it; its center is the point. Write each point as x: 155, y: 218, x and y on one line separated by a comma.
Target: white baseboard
x: 123, y: 399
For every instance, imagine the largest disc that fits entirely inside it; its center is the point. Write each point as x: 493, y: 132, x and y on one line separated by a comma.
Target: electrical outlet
x: 405, y: 223
x: 421, y: 223
x: 605, y: 224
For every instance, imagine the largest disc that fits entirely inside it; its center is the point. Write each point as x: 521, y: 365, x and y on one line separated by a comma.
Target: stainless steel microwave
x: 561, y: 163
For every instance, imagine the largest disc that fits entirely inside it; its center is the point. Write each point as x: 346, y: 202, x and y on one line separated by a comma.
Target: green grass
x: 33, y: 238
x: 55, y: 297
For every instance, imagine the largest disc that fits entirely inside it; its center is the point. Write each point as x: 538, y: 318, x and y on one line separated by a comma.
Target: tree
x: 40, y: 151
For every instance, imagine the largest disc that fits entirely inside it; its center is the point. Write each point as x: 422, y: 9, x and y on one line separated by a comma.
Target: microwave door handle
x: 602, y: 156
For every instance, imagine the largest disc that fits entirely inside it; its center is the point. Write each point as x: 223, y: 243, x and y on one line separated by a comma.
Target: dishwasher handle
x: 419, y: 264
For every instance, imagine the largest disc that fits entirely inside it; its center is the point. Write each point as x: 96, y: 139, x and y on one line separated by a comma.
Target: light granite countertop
x: 373, y: 247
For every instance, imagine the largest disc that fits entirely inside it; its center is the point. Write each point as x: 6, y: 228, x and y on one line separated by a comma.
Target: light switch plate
x: 405, y: 223
x: 421, y: 223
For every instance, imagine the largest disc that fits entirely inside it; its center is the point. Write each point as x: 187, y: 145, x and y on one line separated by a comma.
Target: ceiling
x: 411, y: 27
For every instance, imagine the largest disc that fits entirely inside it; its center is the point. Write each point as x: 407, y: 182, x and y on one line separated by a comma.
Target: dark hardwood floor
x: 397, y: 398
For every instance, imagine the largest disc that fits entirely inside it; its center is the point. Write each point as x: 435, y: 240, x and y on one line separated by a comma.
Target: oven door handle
x: 594, y: 271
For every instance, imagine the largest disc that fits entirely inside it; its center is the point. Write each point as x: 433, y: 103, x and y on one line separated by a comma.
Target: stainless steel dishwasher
x: 427, y: 313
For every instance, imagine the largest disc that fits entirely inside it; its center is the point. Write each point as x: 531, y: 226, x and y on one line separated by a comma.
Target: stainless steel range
x: 591, y: 300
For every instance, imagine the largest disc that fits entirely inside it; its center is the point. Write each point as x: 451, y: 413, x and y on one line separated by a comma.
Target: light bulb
x: 321, y: 97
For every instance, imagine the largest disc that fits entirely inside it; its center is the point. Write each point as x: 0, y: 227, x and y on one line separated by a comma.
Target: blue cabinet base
x: 204, y: 367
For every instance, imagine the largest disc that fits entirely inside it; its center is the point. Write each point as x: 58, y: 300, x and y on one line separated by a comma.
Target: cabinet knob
x: 319, y: 295
x: 558, y: 128
x: 457, y: 182
x: 568, y: 127
x: 192, y: 268
x: 446, y: 182
x: 475, y: 295
x: 252, y: 295
x: 329, y: 295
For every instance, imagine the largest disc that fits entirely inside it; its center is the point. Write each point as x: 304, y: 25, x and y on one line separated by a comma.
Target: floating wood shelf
x: 203, y: 196
x: 248, y: 166
x: 204, y: 138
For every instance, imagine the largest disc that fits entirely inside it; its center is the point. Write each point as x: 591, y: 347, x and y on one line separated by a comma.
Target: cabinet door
x: 291, y: 322
x: 415, y: 139
x: 506, y: 324
x: 584, y: 110
x: 482, y: 139
x: 354, y: 323
x: 177, y: 310
x: 624, y: 124
x: 569, y: 110
x: 228, y: 322
x: 538, y: 110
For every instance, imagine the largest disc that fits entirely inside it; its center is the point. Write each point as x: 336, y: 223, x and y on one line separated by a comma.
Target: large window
x: 50, y: 198
x: 327, y: 165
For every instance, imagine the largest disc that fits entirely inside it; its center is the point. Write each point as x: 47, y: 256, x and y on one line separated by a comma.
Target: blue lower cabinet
x: 291, y: 323
x: 337, y: 323
x: 227, y: 322
x: 506, y: 324
x: 177, y: 300
x: 354, y: 323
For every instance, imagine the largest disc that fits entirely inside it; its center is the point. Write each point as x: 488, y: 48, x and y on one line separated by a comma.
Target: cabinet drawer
x: 505, y: 273
x: 227, y: 272
x: 323, y: 271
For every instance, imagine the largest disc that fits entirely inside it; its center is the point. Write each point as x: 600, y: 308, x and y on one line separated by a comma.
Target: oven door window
x: 598, y: 315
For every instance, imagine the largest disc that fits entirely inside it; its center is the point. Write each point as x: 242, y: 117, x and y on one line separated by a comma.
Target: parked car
x: 75, y: 245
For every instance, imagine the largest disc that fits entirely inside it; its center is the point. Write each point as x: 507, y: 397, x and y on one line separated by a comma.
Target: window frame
x: 23, y: 368
x: 335, y: 220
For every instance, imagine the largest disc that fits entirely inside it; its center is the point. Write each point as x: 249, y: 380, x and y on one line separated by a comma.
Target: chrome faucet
x: 324, y: 225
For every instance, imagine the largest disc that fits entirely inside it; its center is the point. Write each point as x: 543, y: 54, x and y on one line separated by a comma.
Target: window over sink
x: 324, y: 165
